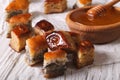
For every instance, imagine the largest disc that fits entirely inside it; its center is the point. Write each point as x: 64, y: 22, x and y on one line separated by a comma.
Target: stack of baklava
x: 19, y: 23
x: 42, y: 43
x: 53, y: 47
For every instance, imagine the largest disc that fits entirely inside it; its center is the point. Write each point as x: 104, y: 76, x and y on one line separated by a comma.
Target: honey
x: 110, y: 17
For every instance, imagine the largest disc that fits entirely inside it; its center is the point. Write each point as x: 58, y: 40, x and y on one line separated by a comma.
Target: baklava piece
x: 76, y: 37
x: 16, y: 7
x: 54, y: 63
x: 20, y: 19
x: 82, y: 3
x: 35, y: 48
x: 52, y: 6
x: 60, y: 40
x: 19, y: 35
x: 85, y: 54
x: 43, y: 27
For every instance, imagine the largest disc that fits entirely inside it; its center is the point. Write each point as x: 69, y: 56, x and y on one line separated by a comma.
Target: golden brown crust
x: 55, y: 54
x: 36, y: 43
x: 85, y: 46
x: 21, y: 30
x: 52, y: 6
x: 20, y: 18
x: 36, y: 47
x: 17, y: 5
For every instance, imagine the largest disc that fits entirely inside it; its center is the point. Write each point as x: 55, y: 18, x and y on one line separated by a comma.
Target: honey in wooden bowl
x: 105, y: 28
x: 111, y: 17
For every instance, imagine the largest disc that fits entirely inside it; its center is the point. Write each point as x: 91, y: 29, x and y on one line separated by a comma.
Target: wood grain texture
x: 13, y: 66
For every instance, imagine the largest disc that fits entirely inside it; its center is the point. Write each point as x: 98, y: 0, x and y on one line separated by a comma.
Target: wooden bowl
x: 96, y: 34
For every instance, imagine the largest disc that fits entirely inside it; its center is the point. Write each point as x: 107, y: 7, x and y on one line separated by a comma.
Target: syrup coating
x: 21, y: 30
x: 44, y: 25
x: 17, y: 5
x: 60, y: 40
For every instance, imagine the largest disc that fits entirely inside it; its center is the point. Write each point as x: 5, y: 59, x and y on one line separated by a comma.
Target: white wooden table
x: 13, y: 66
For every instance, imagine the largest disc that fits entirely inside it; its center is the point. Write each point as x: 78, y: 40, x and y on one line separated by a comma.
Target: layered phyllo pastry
x: 42, y: 27
x: 17, y: 7
x: 35, y: 48
x: 85, y: 54
x: 60, y: 40
x: 19, y: 35
x: 20, y: 19
x: 51, y: 6
x: 82, y: 3
x: 54, y: 63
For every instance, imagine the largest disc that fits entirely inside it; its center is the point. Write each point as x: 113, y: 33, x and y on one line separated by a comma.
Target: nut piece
x: 85, y: 54
x: 43, y: 27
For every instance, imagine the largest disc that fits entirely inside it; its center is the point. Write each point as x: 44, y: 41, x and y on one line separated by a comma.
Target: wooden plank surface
x: 13, y: 66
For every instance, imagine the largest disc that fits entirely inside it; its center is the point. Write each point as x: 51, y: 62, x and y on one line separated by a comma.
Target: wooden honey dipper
x: 100, y: 9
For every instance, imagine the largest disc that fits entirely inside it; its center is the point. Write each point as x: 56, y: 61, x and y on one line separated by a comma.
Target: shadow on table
x: 101, y: 58
x: 116, y: 41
